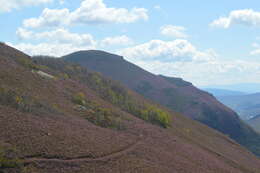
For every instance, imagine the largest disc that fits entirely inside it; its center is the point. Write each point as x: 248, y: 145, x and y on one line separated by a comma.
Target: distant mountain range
x: 247, y: 106
x: 255, y: 123
x: 222, y: 92
x: 243, y: 87
x: 174, y: 93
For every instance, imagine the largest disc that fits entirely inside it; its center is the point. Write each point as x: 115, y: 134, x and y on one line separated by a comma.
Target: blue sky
x: 205, y: 42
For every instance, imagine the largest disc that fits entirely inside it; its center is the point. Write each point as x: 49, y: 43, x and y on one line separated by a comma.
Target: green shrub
x: 98, y: 115
x: 106, y: 118
x: 156, y: 116
x: 8, y: 159
x: 79, y: 99
x: 23, y: 103
x: 118, y: 95
x: 28, y: 63
x: 7, y: 97
x: 110, y: 91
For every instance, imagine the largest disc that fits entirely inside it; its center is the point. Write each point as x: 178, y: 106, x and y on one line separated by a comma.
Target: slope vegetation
x: 55, y: 118
x: 174, y: 93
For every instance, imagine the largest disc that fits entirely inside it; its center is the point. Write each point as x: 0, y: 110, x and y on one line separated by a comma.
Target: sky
x: 205, y: 42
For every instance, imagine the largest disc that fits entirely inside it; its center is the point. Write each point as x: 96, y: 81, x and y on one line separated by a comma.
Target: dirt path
x: 119, y: 153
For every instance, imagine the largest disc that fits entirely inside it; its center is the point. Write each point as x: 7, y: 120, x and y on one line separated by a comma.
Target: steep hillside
x: 247, y: 106
x: 174, y: 93
x: 255, y: 123
x: 61, y: 118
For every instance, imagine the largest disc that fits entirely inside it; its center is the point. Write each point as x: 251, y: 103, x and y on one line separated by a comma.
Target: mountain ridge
x: 177, y: 95
x: 73, y: 116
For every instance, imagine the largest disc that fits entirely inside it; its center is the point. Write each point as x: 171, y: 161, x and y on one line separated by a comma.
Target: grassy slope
x: 173, y: 93
x: 60, y: 138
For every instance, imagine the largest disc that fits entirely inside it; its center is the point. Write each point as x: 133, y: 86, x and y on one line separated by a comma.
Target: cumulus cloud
x: 89, y: 12
x: 246, y: 17
x: 49, y: 18
x: 57, y: 42
x: 203, y: 74
x: 9, y: 5
x: 116, y: 41
x: 173, y: 31
x: 60, y: 41
x: 58, y: 36
x: 180, y: 58
x: 171, y: 51
x: 51, y: 49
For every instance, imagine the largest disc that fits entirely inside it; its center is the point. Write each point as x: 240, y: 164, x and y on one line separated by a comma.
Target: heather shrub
x: 96, y: 114
x: 110, y: 91
x: 23, y: 103
x: 28, y: 63
x: 8, y: 158
x: 156, y: 116
x: 79, y: 99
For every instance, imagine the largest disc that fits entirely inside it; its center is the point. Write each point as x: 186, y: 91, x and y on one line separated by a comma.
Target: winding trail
x: 126, y: 150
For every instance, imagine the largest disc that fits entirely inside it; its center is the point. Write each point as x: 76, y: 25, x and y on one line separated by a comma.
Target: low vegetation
x: 79, y: 99
x: 8, y: 158
x: 118, y: 95
x: 28, y: 63
x: 22, y: 102
x: 96, y: 114
x: 109, y: 90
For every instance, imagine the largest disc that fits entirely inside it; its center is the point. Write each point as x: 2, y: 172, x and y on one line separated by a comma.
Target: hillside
x: 174, y: 93
x: 222, y: 92
x: 247, y: 106
x: 61, y: 118
x: 255, y: 123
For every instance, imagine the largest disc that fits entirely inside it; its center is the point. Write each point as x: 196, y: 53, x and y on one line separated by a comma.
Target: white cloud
x: 168, y: 51
x: 60, y: 41
x: 157, y: 7
x: 256, y: 51
x: 57, y: 36
x: 50, y: 18
x: 173, y: 31
x: 246, y: 17
x: 24, y: 34
x: 180, y: 58
x: 51, y: 49
x: 202, y: 74
x: 89, y: 12
x: 57, y: 42
x: 9, y: 5
x: 116, y: 41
